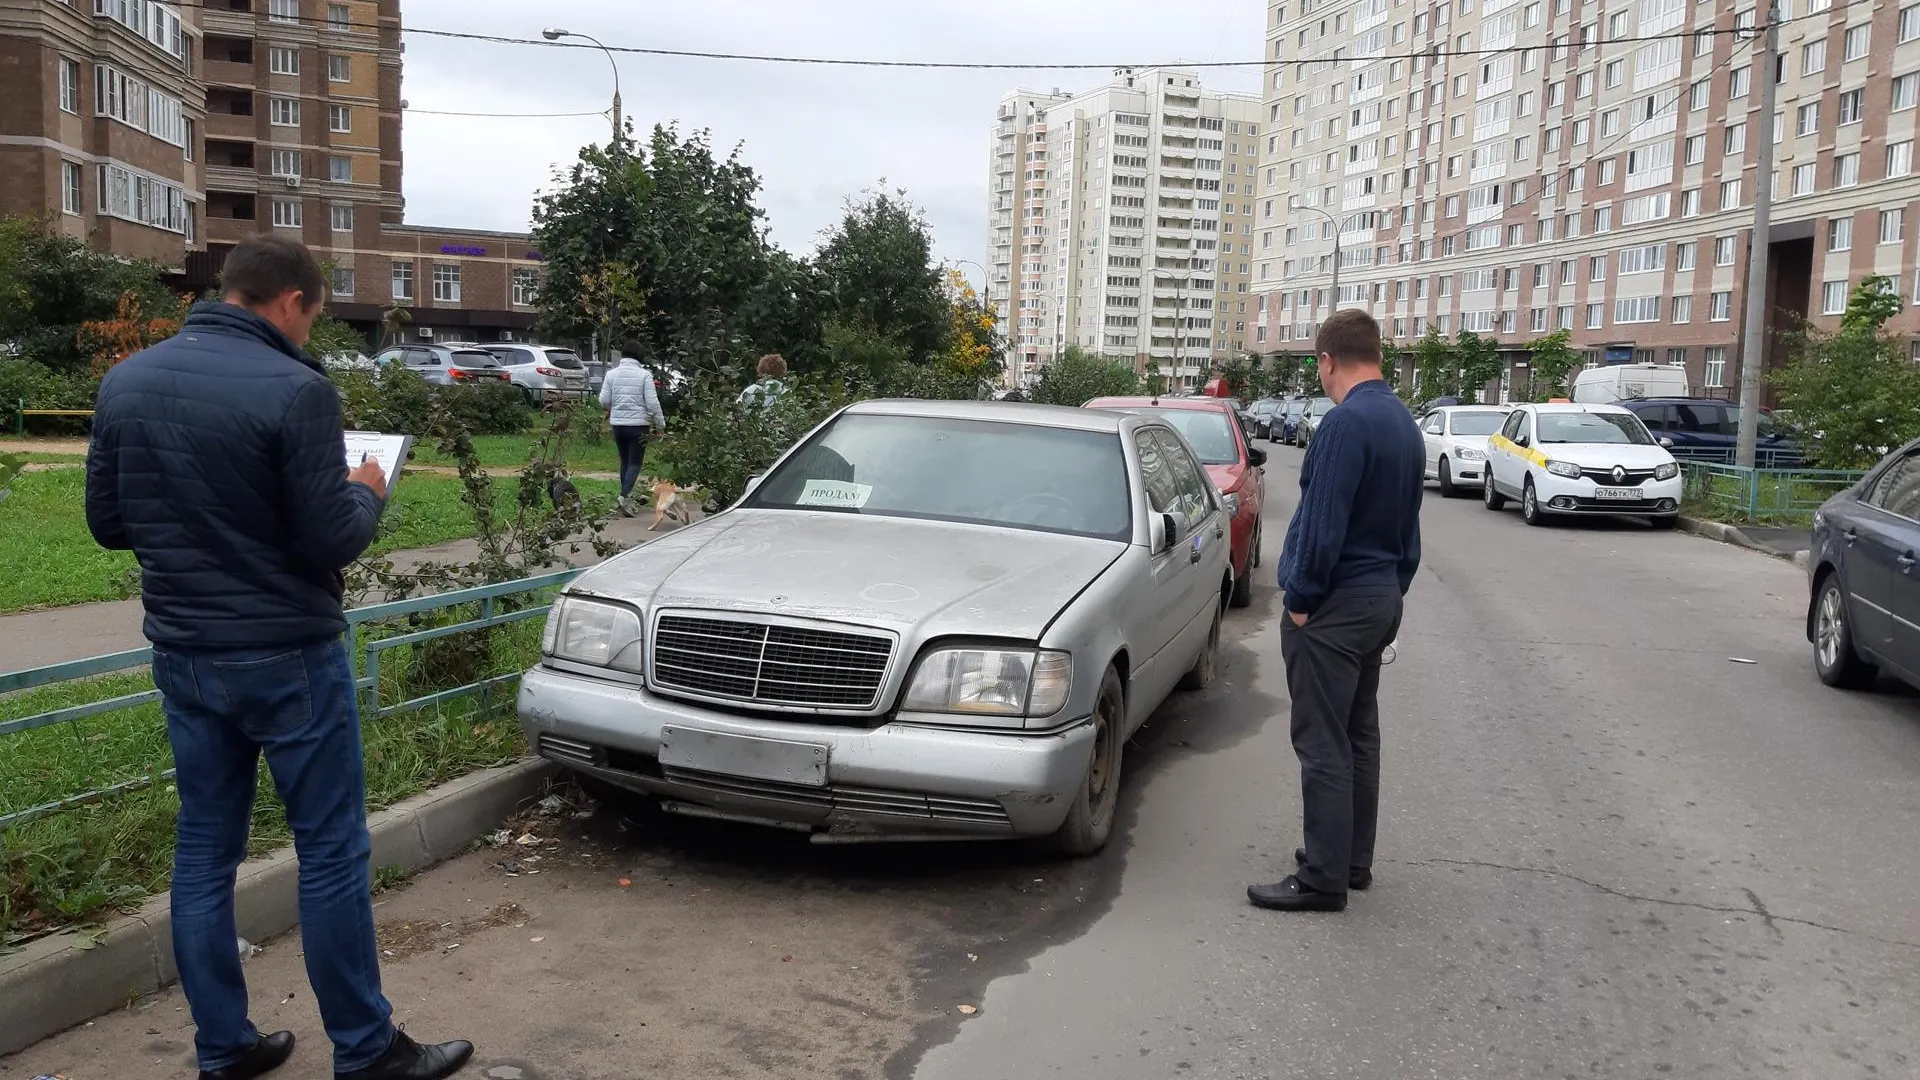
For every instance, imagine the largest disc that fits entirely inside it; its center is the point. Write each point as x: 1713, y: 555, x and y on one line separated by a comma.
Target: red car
x: 1212, y: 427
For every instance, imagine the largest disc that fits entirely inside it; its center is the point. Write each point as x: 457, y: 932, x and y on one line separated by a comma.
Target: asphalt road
x: 1608, y: 850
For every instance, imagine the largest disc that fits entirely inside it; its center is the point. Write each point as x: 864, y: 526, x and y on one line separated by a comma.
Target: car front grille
x: 769, y: 663
x: 852, y: 800
x: 1632, y: 478
x: 570, y: 750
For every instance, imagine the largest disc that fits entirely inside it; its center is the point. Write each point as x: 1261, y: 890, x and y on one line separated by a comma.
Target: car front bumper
x: 891, y: 782
x: 1464, y: 471
x: 1564, y: 495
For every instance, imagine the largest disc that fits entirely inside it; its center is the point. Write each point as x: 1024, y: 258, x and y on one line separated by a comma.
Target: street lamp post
x: 555, y: 34
x: 1294, y: 203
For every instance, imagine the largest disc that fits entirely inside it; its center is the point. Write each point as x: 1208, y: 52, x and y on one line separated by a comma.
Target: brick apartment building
x: 172, y: 132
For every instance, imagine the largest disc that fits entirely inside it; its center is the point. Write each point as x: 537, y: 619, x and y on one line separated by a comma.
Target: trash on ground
x: 1742, y: 660
x: 968, y: 1010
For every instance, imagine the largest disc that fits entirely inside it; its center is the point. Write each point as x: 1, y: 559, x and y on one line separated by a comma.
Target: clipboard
x: 389, y: 450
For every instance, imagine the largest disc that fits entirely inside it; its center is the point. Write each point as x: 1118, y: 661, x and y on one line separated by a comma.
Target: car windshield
x: 1265, y: 408
x: 1587, y: 427
x: 1295, y: 408
x: 565, y: 358
x: 1321, y: 405
x: 1020, y: 476
x: 1476, y: 423
x: 1208, y: 431
x: 474, y: 358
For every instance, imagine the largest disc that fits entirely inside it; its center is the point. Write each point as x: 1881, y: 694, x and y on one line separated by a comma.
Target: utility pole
x: 1753, y: 351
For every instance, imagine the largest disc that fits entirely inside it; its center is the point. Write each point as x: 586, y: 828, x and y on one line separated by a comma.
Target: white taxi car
x: 1581, y: 459
x: 1456, y: 437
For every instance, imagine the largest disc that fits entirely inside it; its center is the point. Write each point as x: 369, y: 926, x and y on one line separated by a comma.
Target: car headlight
x: 990, y: 682
x: 1667, y: 471
x: 1232, y: 500
x: 1468, y: 453
x: 596, y: 633
x: 1564, y: 468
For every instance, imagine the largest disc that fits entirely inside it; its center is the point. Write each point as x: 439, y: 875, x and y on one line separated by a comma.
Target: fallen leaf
x: 625, y: 882
x: 968, y: 1010
x: 537, y: 940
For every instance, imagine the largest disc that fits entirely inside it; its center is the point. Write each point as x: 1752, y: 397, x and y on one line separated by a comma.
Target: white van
x: 1618, y: 382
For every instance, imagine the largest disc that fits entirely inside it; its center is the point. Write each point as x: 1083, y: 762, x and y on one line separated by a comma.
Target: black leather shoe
x: 1357, y: 880
x: 408, y: 1060
x: 271, y: 1052
x: 1292, y: 895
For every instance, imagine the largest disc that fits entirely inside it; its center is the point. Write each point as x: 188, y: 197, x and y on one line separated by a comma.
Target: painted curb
x: 1730, y: 534
x: 52, y: 984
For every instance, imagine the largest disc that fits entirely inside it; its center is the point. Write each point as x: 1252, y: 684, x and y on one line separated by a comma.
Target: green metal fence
x: 1731, y: 493
x: 378, y: 646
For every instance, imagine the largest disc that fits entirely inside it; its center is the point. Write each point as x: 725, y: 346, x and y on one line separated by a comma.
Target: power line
x: 504, y: 115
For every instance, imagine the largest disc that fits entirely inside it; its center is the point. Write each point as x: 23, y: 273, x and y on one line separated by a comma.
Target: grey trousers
x: 1333, y: 676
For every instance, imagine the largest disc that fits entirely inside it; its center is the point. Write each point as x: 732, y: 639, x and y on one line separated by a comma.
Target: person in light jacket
x: 633, y: 412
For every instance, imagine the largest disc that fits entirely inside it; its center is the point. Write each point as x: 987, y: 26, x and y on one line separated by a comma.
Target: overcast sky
x: 813, y: 134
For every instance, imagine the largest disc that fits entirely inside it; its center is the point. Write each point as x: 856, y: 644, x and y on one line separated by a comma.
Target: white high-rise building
x: 1120, y: 220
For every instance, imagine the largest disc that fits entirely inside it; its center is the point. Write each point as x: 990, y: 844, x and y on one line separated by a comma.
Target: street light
x: 1179, y: 315
x: 1294, y: 203
x: 552, y: 33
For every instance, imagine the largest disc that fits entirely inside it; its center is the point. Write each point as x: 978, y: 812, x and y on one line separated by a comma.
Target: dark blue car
x: 1706, y: 429
x: 1864, y: 614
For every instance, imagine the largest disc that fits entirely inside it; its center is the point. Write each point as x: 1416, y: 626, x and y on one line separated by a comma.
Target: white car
x: 1456, y: 437
x: 1581, y: 459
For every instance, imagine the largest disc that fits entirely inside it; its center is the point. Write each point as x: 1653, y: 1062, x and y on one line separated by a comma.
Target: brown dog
x: 668, y: 500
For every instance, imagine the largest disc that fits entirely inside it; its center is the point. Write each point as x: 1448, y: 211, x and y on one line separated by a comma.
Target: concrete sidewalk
x: 55, y: 635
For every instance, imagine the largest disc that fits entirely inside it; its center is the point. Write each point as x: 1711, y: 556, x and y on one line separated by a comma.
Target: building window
x: 1833, y: 297
x: 1803, y: 179
x: 1723, y: 250
x: 142, y: 199
x: 526, y: 286
x: 1813, y: 57
x: 1735, y: 139
x: 283, y: 163
x: 283, y: 11
x: 1690, y: 203
x: 1716, y: 373
x: 1807, y: 121
x: 1906, y: 91
x: 284, y: 112
x: 1730, y: 192
x: 1899, y: 158
x: 1739, y: 81
x: 1677, y: 358
x: 283, y: 61
x: 446, y: 283
x: 1846, y: 170
x: 403, y: 281
x: 1909, y: 23
x: 70, y: 86
x: 1719, y: 306
x: 1683, y: 309
x: 340, y: 119
x: 1840, y: 234
x: 1852, y: 107
x: 339, y: 17
x: 1855, y: 42
x: 1695, y: 149
x: 340, y: 169
x: 342, y: 217
x: 288, y: 213
x: 1893, y: 226
x: 1699, y: 94
x: 342, y: 283
x: 1596, y: 316
x: 1636, y: 309
x: 339, y: 68
x: 69, y: 188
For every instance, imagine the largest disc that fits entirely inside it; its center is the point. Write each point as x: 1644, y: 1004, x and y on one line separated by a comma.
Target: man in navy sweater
x: 1351, y: 553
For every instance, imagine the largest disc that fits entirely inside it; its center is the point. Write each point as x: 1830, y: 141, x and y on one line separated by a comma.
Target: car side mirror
x: 1664, y: 441
x: 1522, y: 440
x: 1256, y: 457
x: 1161, y: 533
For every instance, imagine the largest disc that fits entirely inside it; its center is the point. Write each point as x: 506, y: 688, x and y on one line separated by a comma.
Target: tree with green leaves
x: 1076, y: 377
x: 1554, y: 359
x: 1238, y: 374
x: 1480, y: 363
x: 1854, y: 387
x: 1436, y: 366
x: 878, y: 276
x: 52, y: 285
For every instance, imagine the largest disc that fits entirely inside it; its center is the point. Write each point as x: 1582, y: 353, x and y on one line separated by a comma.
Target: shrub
x: 716, y: 444
x: 395, y: 399
x: 487, y: 408
x: 42, y: 387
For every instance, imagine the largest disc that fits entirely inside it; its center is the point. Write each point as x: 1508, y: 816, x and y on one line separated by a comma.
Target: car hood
x: 1471, y: 442
x: 939, y: 577
x: 1607, y: 455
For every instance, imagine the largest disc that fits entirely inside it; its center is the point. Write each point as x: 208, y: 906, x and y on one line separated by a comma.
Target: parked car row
x: 927, y: 620
x: 1863, y: 609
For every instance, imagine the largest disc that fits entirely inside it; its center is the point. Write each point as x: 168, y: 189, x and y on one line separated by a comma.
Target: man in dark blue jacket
x: 1350, y: 556
x: 218, y: 459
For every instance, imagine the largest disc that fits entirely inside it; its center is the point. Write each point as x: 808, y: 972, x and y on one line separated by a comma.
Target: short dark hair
x: 266, y: 267
x: 1349, y: 336
x: 635, y: 348
x: 772, y: 366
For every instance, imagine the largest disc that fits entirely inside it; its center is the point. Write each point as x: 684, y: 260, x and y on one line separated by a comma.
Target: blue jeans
x: 298, y: 706
x: 631, y: 441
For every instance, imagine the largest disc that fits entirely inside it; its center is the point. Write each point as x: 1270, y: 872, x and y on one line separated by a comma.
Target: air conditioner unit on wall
x: 426, y: 333
x: 293, y: 182
x: 506, y: 335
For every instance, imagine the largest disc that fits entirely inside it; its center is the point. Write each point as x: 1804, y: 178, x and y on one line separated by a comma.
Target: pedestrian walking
x: 1351, y: 552
x: 771, y: 386
x: 218, y: 460
x: 633, y: 412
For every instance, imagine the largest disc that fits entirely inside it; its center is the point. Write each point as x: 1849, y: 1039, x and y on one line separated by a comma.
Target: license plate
x: 746, y: 756
x: 1616, y: 493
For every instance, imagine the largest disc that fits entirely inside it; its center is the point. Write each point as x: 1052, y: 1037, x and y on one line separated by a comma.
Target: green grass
x: 513, y: 451
x: 1782, y: 500
x: 50, y: 559
x: 79, y: 864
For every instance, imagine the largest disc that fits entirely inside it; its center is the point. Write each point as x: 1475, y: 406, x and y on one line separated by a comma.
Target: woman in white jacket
x: 633, y: 411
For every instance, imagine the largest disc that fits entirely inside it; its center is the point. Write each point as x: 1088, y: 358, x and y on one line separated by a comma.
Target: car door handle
x: 1193, y: 554
x: 1851, y: 536
x: 1906, y: 562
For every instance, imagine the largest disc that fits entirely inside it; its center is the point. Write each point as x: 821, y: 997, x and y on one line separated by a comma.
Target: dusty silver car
x: 929, y: 620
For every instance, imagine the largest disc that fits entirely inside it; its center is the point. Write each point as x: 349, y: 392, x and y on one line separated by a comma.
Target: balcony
x: 233, y: 126
x: 231, y: 178
x: 228, y: 230
x: 226, y: 73
x: 225, y: 23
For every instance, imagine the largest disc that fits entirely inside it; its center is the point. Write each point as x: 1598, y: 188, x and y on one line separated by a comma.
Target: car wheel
x: 1243, y: 585
x: 1530, y: 511
x: 1834, y: 658
x: 1090, y: 820
x: 1207, y: 664
x: 1258, y: 535
x: 533, y: 399
x: 1490, y: 494
x: 1447, y: 490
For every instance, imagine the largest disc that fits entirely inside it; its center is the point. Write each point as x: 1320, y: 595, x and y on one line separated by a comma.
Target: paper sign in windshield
x: 840, y: 493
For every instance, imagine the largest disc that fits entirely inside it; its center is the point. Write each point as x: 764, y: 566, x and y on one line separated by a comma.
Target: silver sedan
x: 928, y: 620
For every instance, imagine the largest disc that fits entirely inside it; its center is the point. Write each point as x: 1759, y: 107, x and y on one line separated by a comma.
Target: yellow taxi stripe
x: 1511, y: 447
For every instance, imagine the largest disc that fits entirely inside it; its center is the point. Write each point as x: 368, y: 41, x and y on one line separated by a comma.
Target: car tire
x: 1530, y: 511
x: 1489, y: 494
x: 1207, y: 665
x: 1447, y: 490
x: 1090, y: 820
x: 1834, y: 658
x: 1243, y: 585
x: 533, y: 398
x: 1259, y: 534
